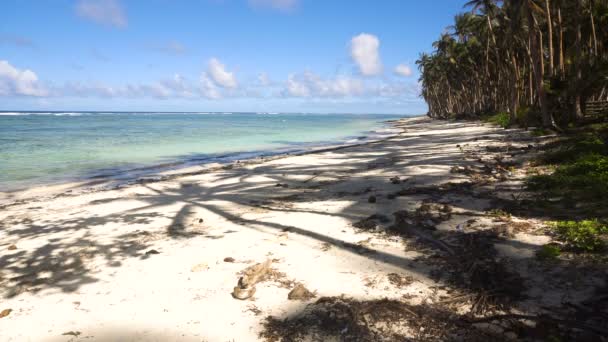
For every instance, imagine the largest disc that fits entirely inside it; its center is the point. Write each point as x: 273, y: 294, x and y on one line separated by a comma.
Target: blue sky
x: 338, y: 56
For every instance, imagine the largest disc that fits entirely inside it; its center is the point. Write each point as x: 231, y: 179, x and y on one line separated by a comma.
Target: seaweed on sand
x: 345, y: 319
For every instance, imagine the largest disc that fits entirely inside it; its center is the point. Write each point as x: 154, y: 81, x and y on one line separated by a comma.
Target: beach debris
x: 251, y: 276
x: 426, y: 216
x: 361, y: 247
x: 371, y: 222
x: 5, y: 312
x: 12, y: 247
x: 72, y: 333
x: 346, y: 319
x: 282, y: 185
x: 435, y: 212
x: 256, y: 311
x: 300, y: 292
x: 395, y: 180
x: 325, y: 246
x: 503, y: 230
x: 462, y: 169
x: 229, y: 259
x: 399, y: 280
x: 406, y: 226
x: 371, y: 199
x: 152, y: 251
x: 199, y: 267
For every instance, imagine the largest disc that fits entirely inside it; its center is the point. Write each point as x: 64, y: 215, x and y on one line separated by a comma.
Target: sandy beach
x: 160, y: 261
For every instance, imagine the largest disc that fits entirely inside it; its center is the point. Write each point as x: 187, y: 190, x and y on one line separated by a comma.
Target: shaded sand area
x: 406, y: 238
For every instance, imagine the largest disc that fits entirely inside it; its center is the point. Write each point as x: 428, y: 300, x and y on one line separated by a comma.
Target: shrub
x: 501, y: 119
x: 548, y: 252
x: 587, y: 177
x: 575, y: 148
x: 522, y: 116
x: 581, y: 235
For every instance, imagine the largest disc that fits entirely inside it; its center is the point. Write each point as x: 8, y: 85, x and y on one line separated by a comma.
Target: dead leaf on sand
x: 5, y: 312
x: 398, y: 280
x: 200, y: 267
x: 72, y: 333
x: 300, y: 293
x: 12, y: 247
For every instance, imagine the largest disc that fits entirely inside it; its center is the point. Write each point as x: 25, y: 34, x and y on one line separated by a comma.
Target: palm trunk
x: 578, y: 112
x: 537, y: 69
x: 561, y: 42
x: 515, y: 90
x: 550, y: 36
x: 593, y: 28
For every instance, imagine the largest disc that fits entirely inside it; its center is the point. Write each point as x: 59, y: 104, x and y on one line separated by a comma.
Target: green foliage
x: 587, y: 177
x: 549, y: 252
x: 523, y: 116
x: 583, y: 235
x: 482, y: 63
x: 575, y: 148
x: 501, y: 119
x: 539, y: 132
x: 581, y: 170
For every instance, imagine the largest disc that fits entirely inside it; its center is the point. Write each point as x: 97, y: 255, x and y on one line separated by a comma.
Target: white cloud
x: 263, y: 79
x: 282, y: 5
x: 19, y: 82
x: 296, y: 87
x: 311, y: 85
x: 403, y: 70
x: 208, y: 88
x: 219, y: 75
x: 364, y: 51
x: 105, y: 12
x: 395, y: 90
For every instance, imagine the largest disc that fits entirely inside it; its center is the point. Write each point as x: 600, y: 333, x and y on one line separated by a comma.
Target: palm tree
x: 507, y: 56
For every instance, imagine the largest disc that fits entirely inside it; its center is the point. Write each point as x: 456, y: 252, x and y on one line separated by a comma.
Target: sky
x: 317, y: 56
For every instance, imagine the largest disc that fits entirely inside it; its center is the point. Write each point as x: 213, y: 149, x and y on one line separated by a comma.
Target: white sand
x: 80, y: 263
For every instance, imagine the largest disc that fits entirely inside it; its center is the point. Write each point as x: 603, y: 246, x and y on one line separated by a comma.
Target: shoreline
x: 386, y: 228
x: 162, y: 172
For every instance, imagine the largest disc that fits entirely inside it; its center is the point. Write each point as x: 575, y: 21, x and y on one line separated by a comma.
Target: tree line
x: 540, y: 61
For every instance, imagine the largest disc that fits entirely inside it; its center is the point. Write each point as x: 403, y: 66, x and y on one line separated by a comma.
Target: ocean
x: 54, y: 147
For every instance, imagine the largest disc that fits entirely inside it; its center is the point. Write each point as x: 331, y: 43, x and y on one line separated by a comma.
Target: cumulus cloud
x: 403, y: 70
x: 208, y: 88
x: 105, y: 12
x: 263, y: 79
x: 309, y: 84
x: 393, y: 90
x: 364, y: 51
x: 282, y: 5
x: 296, y: 87
x: 14, y: 82
x: 219, y: 75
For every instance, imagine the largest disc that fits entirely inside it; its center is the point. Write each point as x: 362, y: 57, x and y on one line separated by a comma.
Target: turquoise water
x: 43, y: 148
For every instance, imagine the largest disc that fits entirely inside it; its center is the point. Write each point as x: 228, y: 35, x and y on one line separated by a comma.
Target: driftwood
x: 252, y: 275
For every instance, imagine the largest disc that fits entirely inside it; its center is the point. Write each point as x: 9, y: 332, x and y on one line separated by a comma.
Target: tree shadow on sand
x: 422, y: 165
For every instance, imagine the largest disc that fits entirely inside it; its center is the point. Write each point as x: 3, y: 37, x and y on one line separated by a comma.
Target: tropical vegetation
x: 538, y: 62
